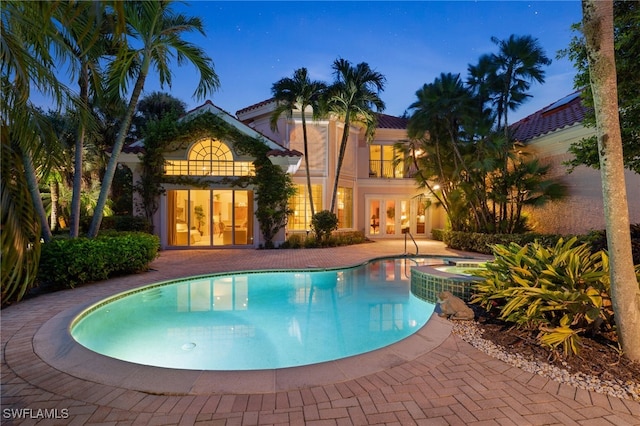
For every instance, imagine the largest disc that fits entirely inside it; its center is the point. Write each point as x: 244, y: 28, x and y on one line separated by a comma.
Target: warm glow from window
x: 209, y: 157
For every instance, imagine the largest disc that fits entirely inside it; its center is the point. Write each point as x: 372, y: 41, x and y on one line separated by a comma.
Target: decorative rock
x: 470, y: 332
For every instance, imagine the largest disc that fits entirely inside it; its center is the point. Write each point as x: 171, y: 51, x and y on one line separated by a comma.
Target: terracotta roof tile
x: 254, y: 106
x: 284, y: 153
x: 562, y: 113
x: 390, y: 122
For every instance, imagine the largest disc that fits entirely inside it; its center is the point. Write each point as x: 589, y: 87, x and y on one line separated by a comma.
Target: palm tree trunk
x: 625, y: 292
x: 343, y: 148
x: 36, y: 199
x: 74, y: 223
x: 306, y: 162
x: 115, y: 153
x: 54, y: 186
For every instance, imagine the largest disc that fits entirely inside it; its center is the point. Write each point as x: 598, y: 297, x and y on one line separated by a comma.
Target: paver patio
x: 433, y: 378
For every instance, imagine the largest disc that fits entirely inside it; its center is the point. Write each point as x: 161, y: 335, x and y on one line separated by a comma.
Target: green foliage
x: 468, y: 162
x: 438, y: 234
x: 482, y: 243
x: 337, y: 239
x: 627, y: 50
x: 126, y: 224
x: 71, y: 262
x: 294, y: 241
x: 158, y: 135
x: 598, y: 241
x: 272, y: 185
x: 323, y: 223
x: 560, y: 291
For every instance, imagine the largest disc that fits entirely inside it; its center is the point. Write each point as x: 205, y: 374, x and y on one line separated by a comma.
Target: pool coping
x: 54, y: 344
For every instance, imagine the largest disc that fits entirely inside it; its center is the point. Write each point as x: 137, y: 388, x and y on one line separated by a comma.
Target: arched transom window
x: 209, y: 157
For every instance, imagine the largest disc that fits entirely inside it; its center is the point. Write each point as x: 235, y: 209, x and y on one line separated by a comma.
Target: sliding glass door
x: 201, y: 218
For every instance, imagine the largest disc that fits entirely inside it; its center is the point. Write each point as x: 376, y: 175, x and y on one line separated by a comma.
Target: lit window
x: 345, y: 207
x: 209, y: 157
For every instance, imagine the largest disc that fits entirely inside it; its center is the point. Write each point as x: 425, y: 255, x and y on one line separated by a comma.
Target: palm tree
x: 518, y: 63
x: 26, y: 62
x: 87, y: 36
x: 159, y: 29
x: 298, y: 92
x: 625, y: 293
x: 442, y: 109
x: 352, y: 97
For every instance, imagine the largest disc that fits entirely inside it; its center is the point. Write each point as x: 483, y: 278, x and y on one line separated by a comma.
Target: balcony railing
x: 385, y: 169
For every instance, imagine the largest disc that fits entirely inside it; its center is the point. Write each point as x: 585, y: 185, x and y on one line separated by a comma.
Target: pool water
x: 460, y: 270
x: 251, y: 321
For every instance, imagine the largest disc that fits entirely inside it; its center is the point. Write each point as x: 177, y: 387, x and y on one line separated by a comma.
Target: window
x: 345, y: 207
x: 209, y: 157
x: 381, y: 159
x: 300, y: 220
x: 204, y: 217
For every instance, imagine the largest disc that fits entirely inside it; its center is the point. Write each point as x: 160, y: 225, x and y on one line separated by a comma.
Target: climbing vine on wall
x: 272, y: 185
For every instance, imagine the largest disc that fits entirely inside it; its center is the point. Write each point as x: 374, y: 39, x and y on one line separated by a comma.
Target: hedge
x: 70, y: 262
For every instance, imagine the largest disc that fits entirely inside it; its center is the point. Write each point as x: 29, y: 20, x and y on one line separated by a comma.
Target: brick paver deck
x: 450, y: 384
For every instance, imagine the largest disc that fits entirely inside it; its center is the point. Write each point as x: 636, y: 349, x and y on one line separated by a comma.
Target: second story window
x: 209, y: 157
x: 381, y: 162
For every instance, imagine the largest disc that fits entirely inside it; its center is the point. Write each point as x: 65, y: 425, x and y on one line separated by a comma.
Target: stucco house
x: 548, y: 133
x: 374, y: 195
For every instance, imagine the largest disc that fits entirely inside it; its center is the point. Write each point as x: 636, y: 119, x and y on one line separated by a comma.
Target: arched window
x: 209, y: 157
x: 210, y: 150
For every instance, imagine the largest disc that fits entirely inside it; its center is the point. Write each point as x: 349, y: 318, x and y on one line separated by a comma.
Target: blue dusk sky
x: 254, y: 44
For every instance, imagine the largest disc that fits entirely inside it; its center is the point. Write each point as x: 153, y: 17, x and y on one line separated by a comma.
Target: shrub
x: 294, y: 241
x: 483, y: 243
x: 122, y: 223
x: 67, y: 263
x: 598, y: 241
x: 346, y: 238
x: 438, y: 234
x: 343, y: 238
x: 126, y: 224
x: 560, y: 291
x: 323, y: 223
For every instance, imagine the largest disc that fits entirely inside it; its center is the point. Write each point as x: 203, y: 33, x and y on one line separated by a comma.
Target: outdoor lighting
x: 436, y: 187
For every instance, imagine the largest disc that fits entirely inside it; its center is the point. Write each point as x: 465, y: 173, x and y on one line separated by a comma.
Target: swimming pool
x: 257, y: 320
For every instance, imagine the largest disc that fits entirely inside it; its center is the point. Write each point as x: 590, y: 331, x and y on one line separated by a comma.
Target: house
x: 374, y: 196
x: 548, y: 134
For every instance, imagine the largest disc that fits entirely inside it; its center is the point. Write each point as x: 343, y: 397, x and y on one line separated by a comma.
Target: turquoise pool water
x: 257, y: 320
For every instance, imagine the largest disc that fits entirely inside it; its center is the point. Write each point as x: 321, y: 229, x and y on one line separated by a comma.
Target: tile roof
x: 284, y: 153
x: 390, y: 122
x: 562, y: 113
x: 255, y: 106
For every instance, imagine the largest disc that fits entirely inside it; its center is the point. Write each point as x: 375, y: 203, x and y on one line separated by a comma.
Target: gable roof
x: 562, y: 113
x: 208, y: 107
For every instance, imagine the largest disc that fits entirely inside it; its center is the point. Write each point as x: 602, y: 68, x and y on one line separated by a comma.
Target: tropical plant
x: 597, y: 18
x: 154, y: 107
x: 26, y: 62
x: 299, y: 92
x: 517, y: 64
x: 560, y: 292
x: 626, y: 15
x: 158, y: 30
x: 353, y: 97
x: 481, y: 181
x: 323, y: 224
